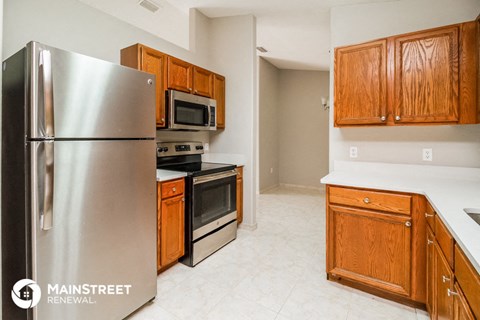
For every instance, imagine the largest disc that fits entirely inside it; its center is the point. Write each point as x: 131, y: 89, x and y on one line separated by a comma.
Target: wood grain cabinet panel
x: 219, y: 96
x: 152, y: 61
x: 427, y: 76
x: 372, y: 248
x: 374, y: 200
x: 179, y: 75
x: 430, y: 276
x: 361, y: 83
x: 443, y: 283
x: 202, y: 82
x: 461, y: 308
x: 445, y: 241
x: 172, y: 232
x: 171, y: 222
x: 469, y: 280
x: 239, y: 194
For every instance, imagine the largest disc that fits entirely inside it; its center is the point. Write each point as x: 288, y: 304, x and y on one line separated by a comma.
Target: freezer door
x: 75, y: 96
x: 96, y: 259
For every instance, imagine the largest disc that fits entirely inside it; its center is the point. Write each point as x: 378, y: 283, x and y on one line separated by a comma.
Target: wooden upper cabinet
x: 361, y: 84
x: 219, y: 96
x: 202, y: 82
x: 179, y: 75
x: 149, y: 60
x: 427, y: 76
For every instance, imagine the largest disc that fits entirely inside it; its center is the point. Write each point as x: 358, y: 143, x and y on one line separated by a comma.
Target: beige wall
x: 452, y: 145
x: 302, y: 127
x: 268, y: 94
x: 232, y: 51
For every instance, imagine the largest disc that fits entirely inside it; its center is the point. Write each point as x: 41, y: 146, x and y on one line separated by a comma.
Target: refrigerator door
x: 101, y: 235
x: 76, y: 96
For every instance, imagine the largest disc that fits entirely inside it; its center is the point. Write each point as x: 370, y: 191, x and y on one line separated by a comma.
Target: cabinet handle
x: 408, y: 224
x: 429, y: 241
x: 366, y: 200
x: 397, y: 118
x: 383, y: 118
x: 183, y: 199
x: 451, y: 293
x: 174, y: 189
x: 190, y: 89
x: 445, y: 279
x: 428, y: 215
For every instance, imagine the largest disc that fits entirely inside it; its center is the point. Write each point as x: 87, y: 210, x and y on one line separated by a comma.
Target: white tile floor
x: 274, y: 272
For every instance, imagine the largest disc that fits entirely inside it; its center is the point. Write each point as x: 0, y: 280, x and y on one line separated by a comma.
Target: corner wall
x: 232, y: 53
x: 268, y: 108
x: 452, y: 145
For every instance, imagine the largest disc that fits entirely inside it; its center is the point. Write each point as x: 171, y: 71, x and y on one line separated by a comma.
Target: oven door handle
x: 216, y: 176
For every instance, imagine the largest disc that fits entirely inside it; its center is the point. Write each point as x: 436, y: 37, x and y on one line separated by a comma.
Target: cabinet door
x: 153, y: 62
x: 443, y: 283
x: 159, y: 226
x: 219, y: 96
x: 426, y: 76
x: 461, y: 309
x: 202, y: 82
x: 430, y: 303
x: 179, y: 75
x: 361, y: 84
x: 370, y: 247
x: 172, y: 229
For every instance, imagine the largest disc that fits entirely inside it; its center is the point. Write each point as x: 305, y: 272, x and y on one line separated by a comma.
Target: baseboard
x: 296, y: 186
x: 249, y: 227
x: 267, y: 189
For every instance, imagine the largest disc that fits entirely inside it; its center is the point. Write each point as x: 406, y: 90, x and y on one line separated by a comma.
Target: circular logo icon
x: 26, y: 293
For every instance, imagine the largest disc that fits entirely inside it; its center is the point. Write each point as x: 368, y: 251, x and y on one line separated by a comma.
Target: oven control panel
x: 168, y: 149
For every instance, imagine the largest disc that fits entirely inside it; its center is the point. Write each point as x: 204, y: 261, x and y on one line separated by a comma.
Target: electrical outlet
x: 427, y: 154
x: 353, y: 152
x: 206, y: 146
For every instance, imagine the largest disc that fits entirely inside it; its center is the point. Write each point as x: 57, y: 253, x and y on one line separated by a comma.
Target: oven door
x: 214, y: 202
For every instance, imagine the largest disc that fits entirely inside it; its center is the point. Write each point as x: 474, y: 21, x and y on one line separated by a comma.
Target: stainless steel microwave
x: 186, y: 111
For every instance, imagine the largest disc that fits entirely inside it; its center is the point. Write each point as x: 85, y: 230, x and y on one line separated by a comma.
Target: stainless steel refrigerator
x: 78, y: 186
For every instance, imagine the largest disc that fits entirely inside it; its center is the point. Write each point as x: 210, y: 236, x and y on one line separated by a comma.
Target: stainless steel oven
x: 210, y: 199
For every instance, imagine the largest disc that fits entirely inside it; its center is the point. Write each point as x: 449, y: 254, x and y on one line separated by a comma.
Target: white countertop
x: 229, y: 158
x: 165, y: 175
x: 448, y: 189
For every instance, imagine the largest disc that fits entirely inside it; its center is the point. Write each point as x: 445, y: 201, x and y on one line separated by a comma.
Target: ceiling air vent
x: 149, y: 5
x: 262, y: 49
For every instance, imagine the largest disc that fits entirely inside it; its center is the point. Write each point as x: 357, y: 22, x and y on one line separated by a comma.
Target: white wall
x: 303, y: 127
x: 232, y: 44
x: 268, y: 94
x: 452, y: 145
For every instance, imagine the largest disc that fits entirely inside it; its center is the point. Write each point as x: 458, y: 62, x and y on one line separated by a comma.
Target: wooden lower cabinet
x: 430, y: 278
x: 171, y: 223
x: 461, y: 309
x: 443, y: 282
x: 239, y: 194
x: 373, y: 242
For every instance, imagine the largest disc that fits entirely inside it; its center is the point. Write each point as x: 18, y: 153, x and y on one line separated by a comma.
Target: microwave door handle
x: 209, y: 116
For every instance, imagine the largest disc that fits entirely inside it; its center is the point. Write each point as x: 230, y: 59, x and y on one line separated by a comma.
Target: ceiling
x: 296, y: 33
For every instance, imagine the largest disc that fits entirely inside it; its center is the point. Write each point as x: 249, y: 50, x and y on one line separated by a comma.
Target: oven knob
x: 165, y: 149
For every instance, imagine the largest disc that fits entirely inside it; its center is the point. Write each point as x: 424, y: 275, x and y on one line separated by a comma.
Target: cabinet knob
x: 451, y: 293
x: 397, y: 118
x: 183, y: 199
x: 366, y: 200
x: 190, y: 89
x: 445, y: 279
x: 383, y: 118
x: 428, y: 215
x: 408, y: 224
x: 174, y: 189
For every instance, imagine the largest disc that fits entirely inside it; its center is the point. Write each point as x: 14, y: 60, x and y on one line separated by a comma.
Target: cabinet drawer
x: 469, y: 280
x: 172, y: 188
x: 445, y: 240
x: 430, y: 216
x: 375, y: 200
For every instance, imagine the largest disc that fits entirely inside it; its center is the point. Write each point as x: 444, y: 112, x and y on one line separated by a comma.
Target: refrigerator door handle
x: 44, y: 164
x: 45, y: 66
